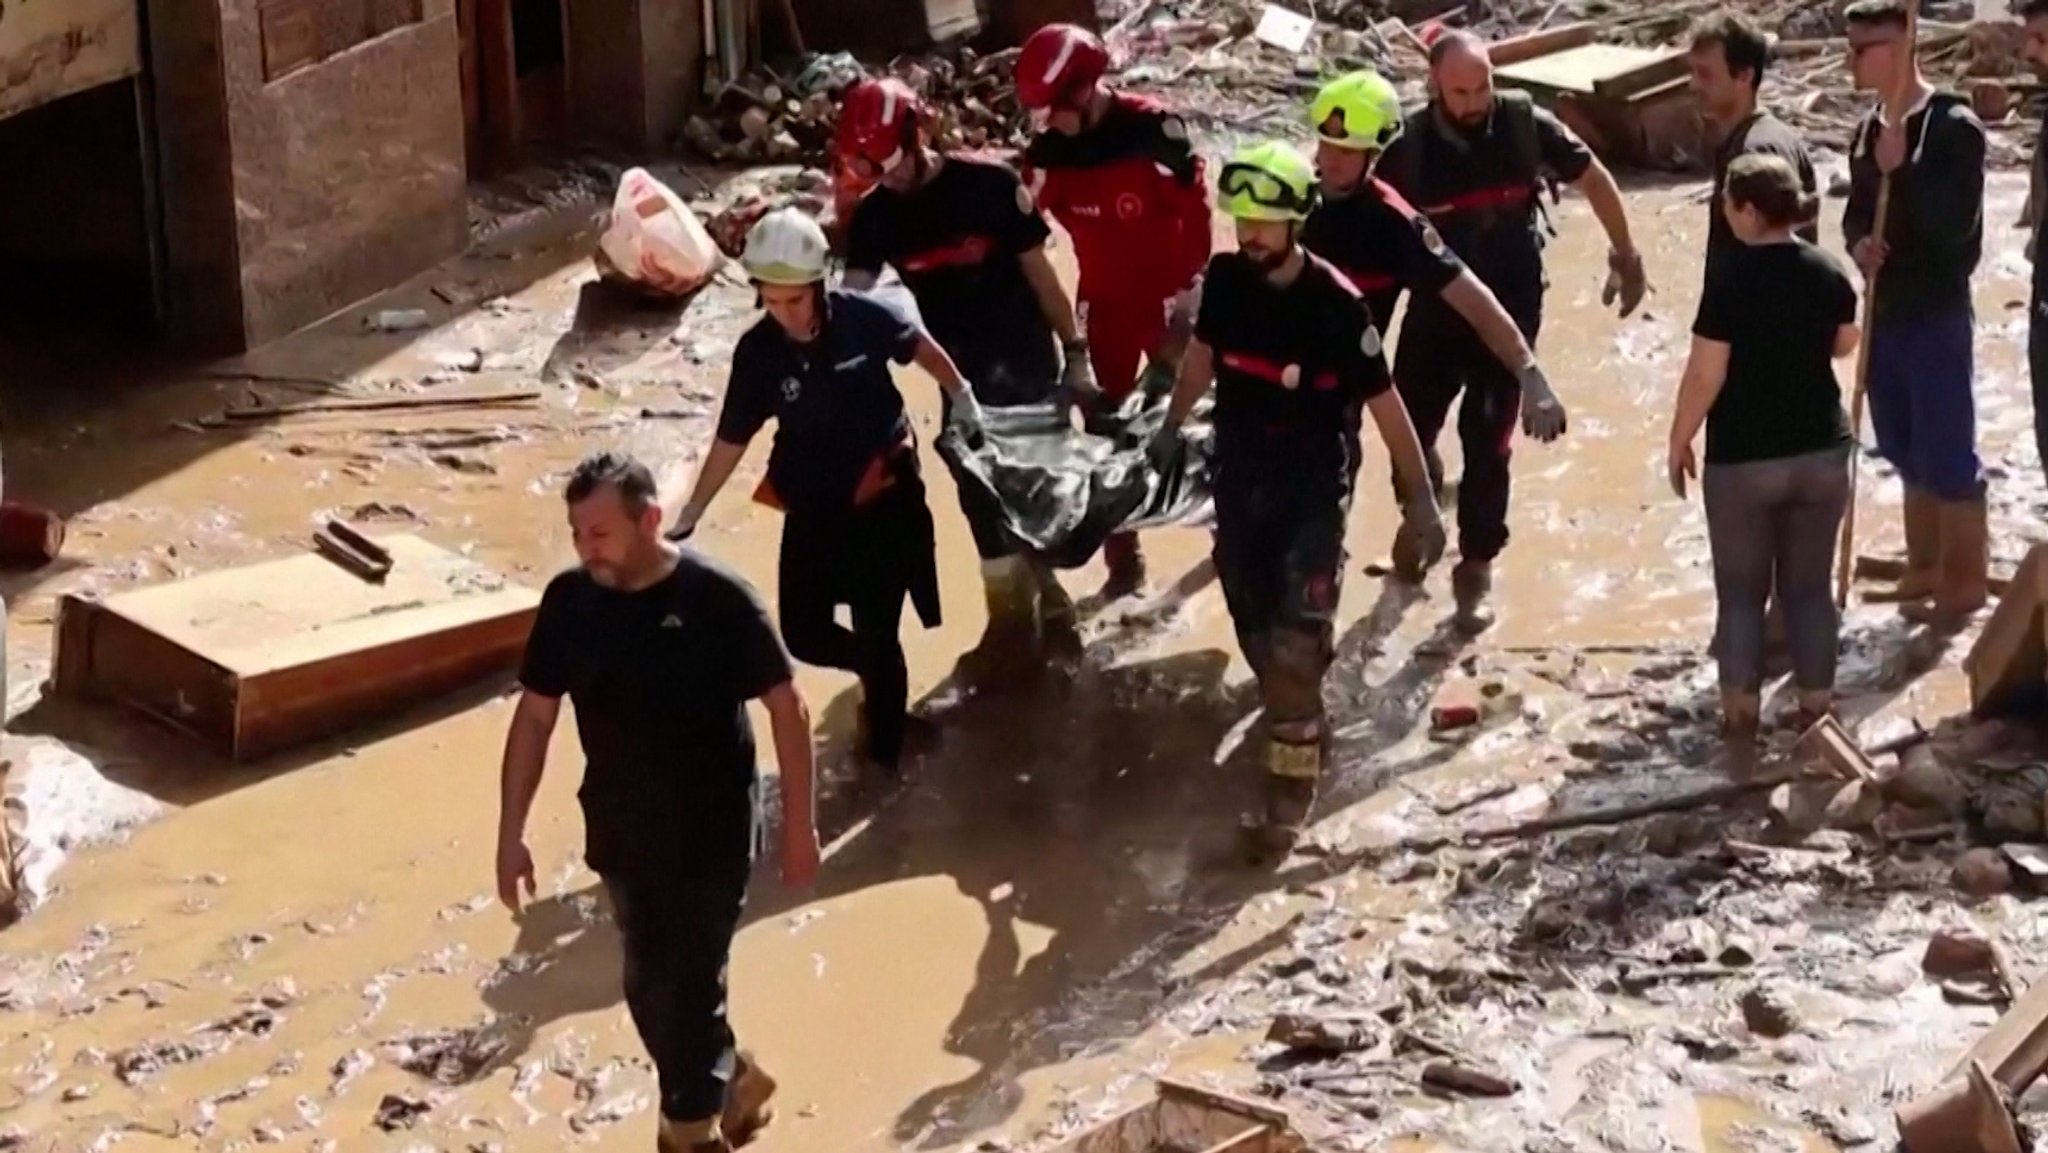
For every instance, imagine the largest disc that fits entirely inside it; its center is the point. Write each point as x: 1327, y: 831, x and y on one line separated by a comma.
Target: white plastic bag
x: 654, y: 240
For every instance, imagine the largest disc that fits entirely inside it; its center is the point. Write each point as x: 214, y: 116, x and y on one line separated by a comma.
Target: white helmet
x: 786, y: 247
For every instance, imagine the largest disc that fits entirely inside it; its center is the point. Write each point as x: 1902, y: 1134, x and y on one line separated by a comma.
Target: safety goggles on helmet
x: 1344, y: 129
x: 1250, y: 187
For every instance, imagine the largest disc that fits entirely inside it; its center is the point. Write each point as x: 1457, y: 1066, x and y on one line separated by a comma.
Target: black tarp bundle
x: 1063, y: 492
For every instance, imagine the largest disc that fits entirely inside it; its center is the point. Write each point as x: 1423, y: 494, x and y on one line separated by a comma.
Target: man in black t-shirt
x: 969, y: 243
x: 1475, y: 161
x: 1296, y: 359
x: 659, y: 651
x: 1727, y: 59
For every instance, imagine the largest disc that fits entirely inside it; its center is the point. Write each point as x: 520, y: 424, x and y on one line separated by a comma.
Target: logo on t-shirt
x: 671, y: 621
x: 1129, y: 206
x: 791, y: 389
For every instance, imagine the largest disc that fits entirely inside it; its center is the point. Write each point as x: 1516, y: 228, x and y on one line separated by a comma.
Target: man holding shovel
x: 1923, y: 152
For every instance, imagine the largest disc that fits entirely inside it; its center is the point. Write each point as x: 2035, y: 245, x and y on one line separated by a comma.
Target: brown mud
x: 305, y: 952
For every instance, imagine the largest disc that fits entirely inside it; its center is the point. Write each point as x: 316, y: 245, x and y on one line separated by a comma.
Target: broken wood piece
x: 1966, y: 1114
x: 1900, y: 743
x: 2015, y: 1049
x: 2008, y: 666
x: 495, y: 399
x: 344, y: 553
x: 1530, y: 45
x: 352, y: 536
x: 1828, y: 742
x: 1330, y: 1035
x: 1458, y: 1077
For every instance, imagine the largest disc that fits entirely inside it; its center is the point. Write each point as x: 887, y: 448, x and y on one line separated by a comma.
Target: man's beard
x: 1266, y: 261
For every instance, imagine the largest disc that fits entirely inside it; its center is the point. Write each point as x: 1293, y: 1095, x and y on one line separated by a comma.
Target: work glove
x: 1420, y: 541
x: 685, y: 525
x: 967, y: 418
x: 1626, y: 281
x: 1163, y: 451
x: 1077, y: 380
x: 1543, y: 415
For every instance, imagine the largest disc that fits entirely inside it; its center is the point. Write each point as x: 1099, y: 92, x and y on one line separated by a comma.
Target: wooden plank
x: 51, y: 50
x: 290, y: 32
x: 257, y: 659
x: 1530, y: 45
x: 2008, y: 666
x: 1578, y: 70
x: 1669, y: 65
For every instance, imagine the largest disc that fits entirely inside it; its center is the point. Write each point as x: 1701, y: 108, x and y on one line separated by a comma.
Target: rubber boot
x: 747, y: 1108
x: 1291, y: 686
x: 1294, y: 766
x: 1963, y: 583
x: 1471, y: 585
x: 1126, y: 567
x: 690, y: 1137
x: 1923, y: 548
x: 1009, y: 644
x: 920, y: 736
x: 1059, y: 621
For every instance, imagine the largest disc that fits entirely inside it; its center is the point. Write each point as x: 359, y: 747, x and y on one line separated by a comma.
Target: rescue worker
x: 660, y: 650
x: 1297, y: 359
x: 844, y: 467
x: 970, y: 246
x: 1922, y: 361
x: 1119, y: 174
x: 1474, y: 161
x: 1368, y: 232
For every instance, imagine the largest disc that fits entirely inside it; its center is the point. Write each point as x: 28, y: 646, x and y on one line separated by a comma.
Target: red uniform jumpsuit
x: 1130, y: 191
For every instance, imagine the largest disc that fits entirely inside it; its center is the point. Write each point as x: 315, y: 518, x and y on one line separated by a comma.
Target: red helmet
x: 1057, y: 64
x: 878, y: 124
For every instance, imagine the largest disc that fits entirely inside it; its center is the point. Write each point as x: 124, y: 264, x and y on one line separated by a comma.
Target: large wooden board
x: 2008, y: 666
x: 258, y: 659
x: 1610, y: 71
x: 53, y: 48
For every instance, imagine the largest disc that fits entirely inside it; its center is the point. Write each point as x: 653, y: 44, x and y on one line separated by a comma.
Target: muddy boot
x: 747, y: 1110
x: 1009, y: 644
x: 1059, y: 621
x: 920, y: 736
x: 1923, y: 549
x: 1126, y: 567
x: 1471, y: 585
x: 1962, y: 586
x: 690, y: 1137
x: 1293, y: 767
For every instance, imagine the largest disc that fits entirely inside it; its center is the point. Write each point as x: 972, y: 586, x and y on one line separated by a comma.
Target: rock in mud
x: 1957, y: 952
x: 396, y: 1112
x: 1923, y: 781
x: 134, y: 1066
x: 1458, y: 1077
x: 1983, y: 874
x: 1303, y: 1033
x: 1769, y: 1013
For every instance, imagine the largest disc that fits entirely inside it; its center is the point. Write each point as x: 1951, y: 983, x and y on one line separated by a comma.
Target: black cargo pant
x: 675, y: 933
x: 1440, y: 359
x: 865, y: 559
x: 1279, y: 551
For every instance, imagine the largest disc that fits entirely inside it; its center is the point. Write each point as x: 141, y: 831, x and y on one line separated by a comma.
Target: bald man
x: 1475, y: 160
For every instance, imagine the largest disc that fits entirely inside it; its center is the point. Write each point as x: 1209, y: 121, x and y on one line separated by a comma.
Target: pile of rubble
x: 773, y: 119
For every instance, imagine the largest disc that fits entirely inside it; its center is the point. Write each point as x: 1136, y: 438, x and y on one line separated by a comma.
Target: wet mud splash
x: 1054, y: 909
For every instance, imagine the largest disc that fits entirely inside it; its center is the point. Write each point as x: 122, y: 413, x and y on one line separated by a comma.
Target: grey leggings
x: 1776, y: 520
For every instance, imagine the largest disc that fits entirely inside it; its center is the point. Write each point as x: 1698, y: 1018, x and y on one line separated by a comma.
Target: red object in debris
x: 1445, y: 717
x: 30, y: 537
x: 1429, y: 32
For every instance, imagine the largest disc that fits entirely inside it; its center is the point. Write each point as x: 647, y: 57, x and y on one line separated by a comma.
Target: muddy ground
x: 306, y: 953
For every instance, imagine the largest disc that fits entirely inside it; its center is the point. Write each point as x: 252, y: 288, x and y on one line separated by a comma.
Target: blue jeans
x: 1922, y: 380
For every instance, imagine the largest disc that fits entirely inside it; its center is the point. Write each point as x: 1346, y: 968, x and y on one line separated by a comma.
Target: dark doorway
x: 76, y: 237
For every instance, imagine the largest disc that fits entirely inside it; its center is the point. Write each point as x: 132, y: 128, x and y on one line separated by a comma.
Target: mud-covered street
x: 1054, y: 910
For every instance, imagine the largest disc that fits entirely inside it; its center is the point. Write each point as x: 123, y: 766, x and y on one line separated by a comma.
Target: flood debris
x: 398, y: 1111
x: 1322, y: 1035
x: 452, y: 1056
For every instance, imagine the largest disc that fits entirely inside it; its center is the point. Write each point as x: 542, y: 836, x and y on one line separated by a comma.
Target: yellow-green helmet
x: 1270, y: 181
x: 1359, y: 111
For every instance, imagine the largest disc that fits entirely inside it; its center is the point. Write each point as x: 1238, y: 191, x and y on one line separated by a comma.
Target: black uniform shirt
x: 1762, y: 134
x: 659, y: 679
x: 1316, y: 333
x: 834, y: 403
x: 1777, y: 307
x: 956, y: 243
x: 1382, y: 244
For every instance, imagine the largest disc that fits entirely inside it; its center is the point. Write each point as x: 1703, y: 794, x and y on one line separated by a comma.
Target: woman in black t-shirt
x: 1773, y: 318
